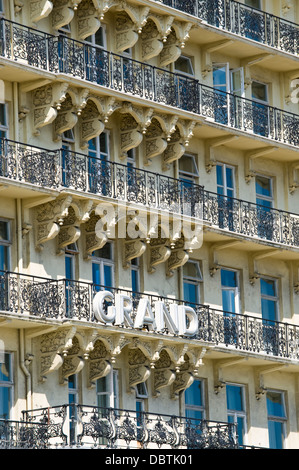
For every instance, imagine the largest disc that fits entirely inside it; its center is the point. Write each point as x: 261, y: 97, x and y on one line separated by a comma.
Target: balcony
x: 61, y: 55
x: 32, y: 298
x: 244, y: 21
x: 62, y: 169
x: 83, y: 426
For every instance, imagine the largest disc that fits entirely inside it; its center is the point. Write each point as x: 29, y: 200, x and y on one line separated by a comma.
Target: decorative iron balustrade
x: 62, y: 168
x: 58, y: 169
x: 59, y: 54
x: 92, y: 426
x: 67, y: 300
x: 244, y: 21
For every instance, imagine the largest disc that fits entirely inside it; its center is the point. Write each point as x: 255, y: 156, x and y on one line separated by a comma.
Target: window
x: 1, y: 6
x: 73, y: 394
x: 96, y: 58
x: 5, y: 244
x: 141, y: 399
x: 107, y: 391
x: 236, y: 413
x: 68, y: 140
x: 135, y: 275
x: 103, y: 267
x: 184, y: 65
x: 276, y: 419
x: 225, y: 175
x: 98, y: 39
x: 188, y: 171
x: 194, y: 400
x: 264, y: 191
x: 230, y: 290
x: 230, y: 304
x: 3, y: 121
x: 69, y: 262
x: 192, y: 278
x: 6, y: 385
x: 260, y: 109
x: 264, y: 199
x: 99, y: 167
x: 269, y: 304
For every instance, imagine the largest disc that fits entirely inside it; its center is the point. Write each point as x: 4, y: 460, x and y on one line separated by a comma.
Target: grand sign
x: 117, y: 309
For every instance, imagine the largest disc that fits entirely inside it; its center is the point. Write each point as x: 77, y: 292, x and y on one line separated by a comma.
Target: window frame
x: 200, y: 408
x: 93, y: 36
x: 190, y: 61
x: 102, y: 262
x: 237, y: 295
x: 261, y: 196
x: 275, y: 298
x: 112, y: 389
x: 4, y: 127
x: 224, y: 177
x: 9, y: 384
x: 186, y: 175
x: 282, y: 420
x: 7, y: 243
x: 195, y: 281
x: 235, y: 414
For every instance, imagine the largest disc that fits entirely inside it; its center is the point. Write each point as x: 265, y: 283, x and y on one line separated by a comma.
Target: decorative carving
x: 53, y: 348
x: 158, y: 252
x: 40, y: 9
x: 151, y: 41
x: 171, y: 51
x: 132, y: 249
x: 49, y: 218
x: 178, y: 258
x: 66, y: 118
x: 130, y: 137
x: 47, y: 101
x: 163, y: 374
x: 126, y: 37
x: 94, y: 240
x: 63, y: 12
x: 90, y: 124
x: 155, y: 143
x: 78, y: 213
x: 72, y: 363
x: 98, y: 364
x: 87, y: 22
x: 138, y: 370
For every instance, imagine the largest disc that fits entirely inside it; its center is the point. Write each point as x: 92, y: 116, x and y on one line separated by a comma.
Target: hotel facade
x: 149, y: 224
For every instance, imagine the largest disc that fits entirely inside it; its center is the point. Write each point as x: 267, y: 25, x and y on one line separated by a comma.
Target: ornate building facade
x: 149, y: 224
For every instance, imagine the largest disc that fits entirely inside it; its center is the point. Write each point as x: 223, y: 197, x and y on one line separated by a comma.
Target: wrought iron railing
x: 60, y: 54
x: 62, y: 168
x: 67, y: 300
x: 92, y: 426
x: 244, y: 21
x: 58, y: 169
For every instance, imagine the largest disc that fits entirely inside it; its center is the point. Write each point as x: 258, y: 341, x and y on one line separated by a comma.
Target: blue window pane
x: 190, y: 292
x: 269, y: 310
x: 275, y: 406
x: 108, y: 276
x: 228, y: 301
x: 96, y: 275
x: 194, y: 414
x: 268, y: 287
x: 219, y: 175
x: 5, y: 402
x: 135, y: 280
x: 5, y: 369
x: 234, y: 398
x: 276, y: 435
x: 193, y: 394
x: 229, y: 178
x: 229, y: 278
x: 263, y: 186
x: 69, y: 272
x: 4, y: 265
x: 266, y: 204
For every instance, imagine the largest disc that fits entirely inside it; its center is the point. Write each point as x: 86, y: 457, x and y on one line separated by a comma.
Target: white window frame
x: 257, y: 100
x: 281, y: 420
x: 97, y: 153
x: 4, y: 127
x: 235, y: 289
x: 200, y: 408
x: 236, y: 413
x: 136, y: 268
x: 9, y: 384
x: 260, y: 196
x: 105, y: 262
x: 225, y: 187
x: 190, y: 60
x: 274, y: 298
x: 196, y: 281
x: 7, y: 243
x: 112, y: 391
x: 92, y: 36
x: 185, y: 175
